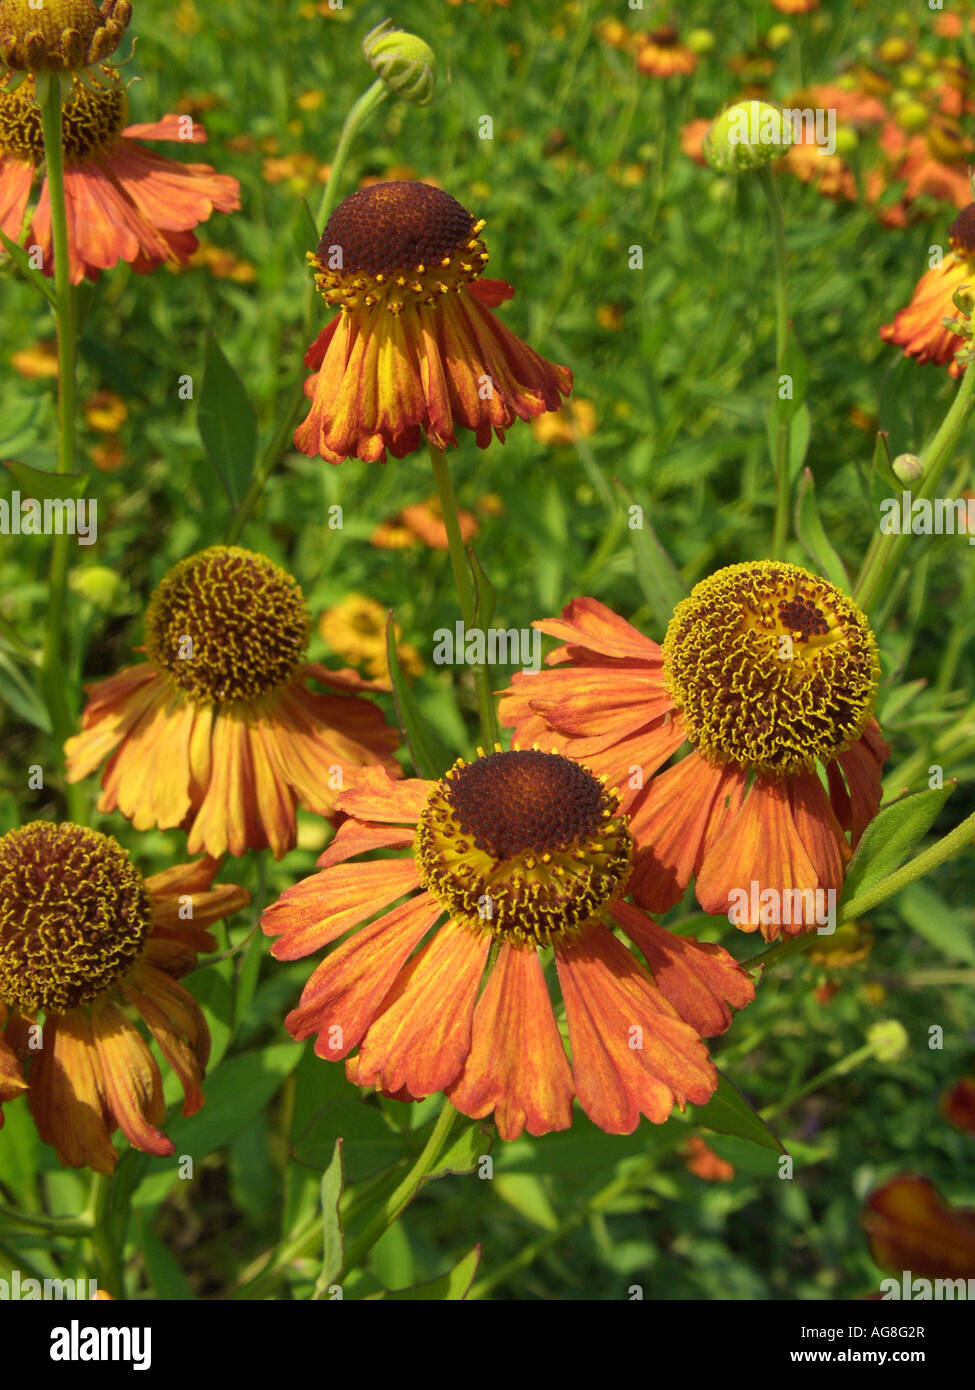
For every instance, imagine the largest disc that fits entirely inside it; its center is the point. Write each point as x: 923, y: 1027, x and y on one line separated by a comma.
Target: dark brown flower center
x: 961, y: 233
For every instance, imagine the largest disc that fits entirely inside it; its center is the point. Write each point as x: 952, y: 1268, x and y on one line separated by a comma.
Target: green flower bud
x: 403, y: 61
x: 746, y: 136
x: 908, y: 469
x: 889, y: 1041
x: 778, y: 36
x: 96, y: 583
x: 700, y: 41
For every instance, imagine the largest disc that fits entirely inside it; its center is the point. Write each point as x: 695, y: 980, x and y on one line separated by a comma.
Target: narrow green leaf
x: 333, y: 1241
x: 36, y: 482
x: 448, y: 1288
x: 35, y: 278
x: 656, y: 573
x: 21, y: 696
x: 227, y: 422
x: 485, y: 597
x: 797, y: 369
x: 304, y: 233
x: 464, y: 1153
x: 891, y: 837
x: 524, y: 1192
x: 813, y: 537
x: 728, y: 1112
x: 932, y: 918
x: 429, y: 759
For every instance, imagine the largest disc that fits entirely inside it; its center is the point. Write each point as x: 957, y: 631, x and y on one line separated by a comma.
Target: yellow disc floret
x: 227, y: 625
x: 526, y: 845
x: 74, y: 915
x: 60, y: 35
x: 397, y: 243
x: 92, y: 120
x: 771, y: 668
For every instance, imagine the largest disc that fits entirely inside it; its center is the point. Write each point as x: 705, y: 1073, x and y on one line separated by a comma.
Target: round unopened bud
x: 60, y: 35
x: 746, y: 136
x: 888, y: 1040
x: 778, y: 36
x: 403, y: 61
x: 96, y: 583
x: 700, y: 41
x: 908, y: 469
x: 912, y: 115
x: 846, y: 139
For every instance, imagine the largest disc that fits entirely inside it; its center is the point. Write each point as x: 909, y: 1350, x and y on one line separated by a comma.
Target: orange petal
x: 177, y: 1023
x: 631, y: 1054
x: 376, y: 797
x: 517, y: 1065
x: 700, y: 980
x: 319, y: 909
x: 911, y: 1227
x: 958, y: 1104
x: 132, y: 1086
x: 67, y: 1094
x: 423, y: 1036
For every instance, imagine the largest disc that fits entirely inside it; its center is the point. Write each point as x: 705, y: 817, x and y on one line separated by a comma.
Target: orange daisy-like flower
x: 124, y: 202
x: 513, y: 854
x: 85, y: 942
x: 768, y: 672
x: 919, y: 329
x: 415, y: 345
x: 421, y: 523
x: 661, y: 54
x: 796, y: 6
x: 218, y: 731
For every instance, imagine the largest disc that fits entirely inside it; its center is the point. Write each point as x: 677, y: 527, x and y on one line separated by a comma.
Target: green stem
x: 783, y: 428
x: 845, y: 1064
x: 465, y: 593
x: 51, y: 1225
x: 103, y: 1234
x: 281, y: 439
x: 53, y: 661
x: 881, y: 559
x: 401, y: 1197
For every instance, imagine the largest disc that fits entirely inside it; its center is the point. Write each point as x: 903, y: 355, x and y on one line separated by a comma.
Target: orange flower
x: 421, y: 522
x: 919, y: 329
x: 796, y: 6
x: 661, y: 54
x: 415, y: 345
x: 218, y: 731
x: 958, y: 1104
x: 125, y: 202
x: 85, y: 940
x: 701, y: 1160
x: 766, y: 671
x: 692, y: 139
x: 911, y: 1227
x: 513, y: 854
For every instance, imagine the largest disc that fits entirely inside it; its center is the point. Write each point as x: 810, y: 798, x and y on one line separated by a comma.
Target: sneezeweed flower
x: 911, y: 1227
x: 920, y: 329
x: 60, y: 35
x: 415, y: 345
x: 576, y: 420
x: 422, y: 523
x: 86, y: 944
x: 515, y: 854
x: 661, y: 54
x: 125, y: 202
x: 218, y: 731
x: 768, y: 673
x: 355, y: 629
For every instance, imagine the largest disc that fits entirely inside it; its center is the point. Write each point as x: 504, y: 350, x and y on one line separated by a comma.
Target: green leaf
x: 464, y: 1153
x: 932, y: 918
x: 812, y: 535
x: 333, y: 1241
x: 728, y: 1112
x: 227, y: 422
x: 795, y: 366
x: 21, y: 696
x: 165, y: 1275
x: 485, y: 597
x: 449, y: 1288
x: 36, y: 482
x: 304, y: 233
x: 430, y: 758
x: 35, y: 278
x: 891, y: 837
x: 656, y: 573
x: 20, y: 428
x: 524, y: 1192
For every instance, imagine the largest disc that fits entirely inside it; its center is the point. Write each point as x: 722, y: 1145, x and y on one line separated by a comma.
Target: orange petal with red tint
x: 911, y: 1227
x: 321, y: 908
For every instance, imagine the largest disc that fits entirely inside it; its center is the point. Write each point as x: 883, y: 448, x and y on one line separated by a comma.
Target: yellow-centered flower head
x: 227, y: 624
x: 526, y: 845
x: 771, y: 668
x: 74, y: 915
x: 60, y: 35
x: 92, y: 120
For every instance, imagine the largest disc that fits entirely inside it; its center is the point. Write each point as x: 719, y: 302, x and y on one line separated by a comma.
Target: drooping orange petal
x: 357, y: 837
x: 169, y: 196
x: 178, y: 1025
x: 919, y: 329
x: 819, y: 830
x: 700, y: 979
x: 132, y: 1086
x: 146, y: 777
x: 115, y: 706
x: 422, y: 1038
x: 67, y: 1094
x: 322, y: 907
x: 911, y: 1227
x: 16, y: 177
x: 863, y: 764
x: 631, y: 1054
x: 347, y: 990
x: 761, y: 846
x: 12, y: 1081
x: 517, y: 1065
x: 680, y: 815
